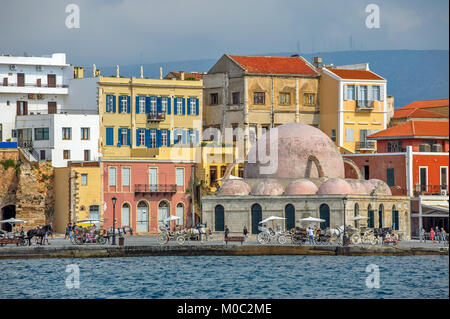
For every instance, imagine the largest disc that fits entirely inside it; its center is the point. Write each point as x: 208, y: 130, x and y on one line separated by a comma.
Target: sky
x: 128, y: 32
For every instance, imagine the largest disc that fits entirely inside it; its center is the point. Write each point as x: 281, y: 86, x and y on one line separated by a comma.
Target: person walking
x: 245, y: 232
x: 437, y: 235
x: 67, y: 234
x: 311, y: 236
x: 443, y: 235
x: 227, y: 231
x: 432, y: 235
x: 422, y: 235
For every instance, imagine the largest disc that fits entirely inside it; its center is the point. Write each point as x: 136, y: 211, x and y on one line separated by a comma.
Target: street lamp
x: 114, y: 220
x: 344, y: 238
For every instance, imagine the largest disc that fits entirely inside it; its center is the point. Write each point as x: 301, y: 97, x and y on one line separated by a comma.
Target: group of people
x: 436, y: 235
x: 90, y: 233
x: 244, y: 231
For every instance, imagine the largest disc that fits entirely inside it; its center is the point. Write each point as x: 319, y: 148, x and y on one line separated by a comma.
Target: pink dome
x: 301, y: 186
x: 336, y: 186
x: 367, y: 184
x: 296, y: 143
x: 380, y: 187
x: 267, y: 187
x: 234, y: 187
x: 358, y: 186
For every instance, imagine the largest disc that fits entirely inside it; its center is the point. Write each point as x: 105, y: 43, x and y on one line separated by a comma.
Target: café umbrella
x: 170, y: 218
x: 271, y: 218
x: 358, y: 217
x: 312, y: 219
x: 13, y: 221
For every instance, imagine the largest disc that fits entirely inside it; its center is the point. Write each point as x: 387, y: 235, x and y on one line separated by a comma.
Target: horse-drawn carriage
x: 11, y: 238
x: 86, y: 232
x: 300, y: 236
x: 267, y: 234
x: 181, y: 235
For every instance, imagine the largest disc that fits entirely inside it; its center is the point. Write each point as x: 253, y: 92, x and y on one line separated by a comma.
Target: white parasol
x: 358, y: 217
x: 271, y: 218
x: 170, y: 218
x: 13, y: 221
x: 312, y: 219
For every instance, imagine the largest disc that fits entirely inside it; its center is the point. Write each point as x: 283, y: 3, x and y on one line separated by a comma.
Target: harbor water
x: 209, y: 277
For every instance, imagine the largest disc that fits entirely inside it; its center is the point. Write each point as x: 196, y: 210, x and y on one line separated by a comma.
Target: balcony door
x: 51, y: 107
x: 423, y: 176
x: 51, y: 80
x: 20, y: 79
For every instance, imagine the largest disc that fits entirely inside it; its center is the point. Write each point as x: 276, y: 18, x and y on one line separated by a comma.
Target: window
x: 193, y: 106
x: 179, y: 106
x: 349, y: 92
x: 259, y: 98
x: 83, y: 179
x: 349, y: 135
x: 125, y: 215
x: 236, y: 98
x: 212, y: 175
x: 222, y: 170
x: 179, y: 137
x: 376, y: 92
x: 153, y: 138
x: 333, y: 134
x: 41, y: 134
x: 164, y: 138
x: 110, y: 99
x: 66, y: 133
x: 124, y: 136
x: 444, y: 177
x: 180, y: 214
x: 214, y: 98
x: 241, y: 171
x: 363, y: 93
x: 22, y: 108
x: 51, y: 107
x: 42, y: 155
x: 125, y: 176
x: 164, y: 104
x: 112, y: 176
x: 13, y: 133
x: 153, y: 108
x: 366, y: 172
x: 142, y: 104
x: 309, y: 99
x: 285, y: 98
x: 123, y: 104
x: 87, y: 155
x: 235, y: 126
x: 390, y: 177
x: 66, y: 154
x: 180, y: 176
x: 394, y: 146
x: 423, y: 178
x: 141, y: 137
x: 85, y: 133
x: 192, y: 137
x: 252, y: 133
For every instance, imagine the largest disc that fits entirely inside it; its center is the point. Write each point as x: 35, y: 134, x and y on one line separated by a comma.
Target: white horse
x: 336, y: 231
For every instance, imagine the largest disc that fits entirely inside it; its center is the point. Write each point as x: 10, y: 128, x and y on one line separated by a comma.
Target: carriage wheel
x: 355, y: 239
x: 181, y: 240
x: 162, y: 239
x: 282, y: 239
x: 101, y: 240
x: 263, y: 238
x: 373, y: 240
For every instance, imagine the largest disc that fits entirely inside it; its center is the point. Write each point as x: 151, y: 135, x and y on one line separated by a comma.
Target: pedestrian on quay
x: 437, y: 235
x: 22, y: 232
x: 443, y: 234
x: 245, y: 231
x: 311, y: 235
x: 68, y: 230
x: 422, y: 235
x: 46, y: 239
x: 432, y: 235
x: 227, y: 231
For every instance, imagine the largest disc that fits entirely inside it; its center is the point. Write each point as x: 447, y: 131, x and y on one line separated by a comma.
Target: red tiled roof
x: 426, y: 104
x: 414, y: 128
x: 351, y: 74
x: 416, y: 113
x: 274, y: 65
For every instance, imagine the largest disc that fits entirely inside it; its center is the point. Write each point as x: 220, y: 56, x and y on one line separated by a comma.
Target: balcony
x: 155, y: 189
x: 364, y: 105
x: 430, y: 189
x: 34, y: 88
x: 156, y: 117
x: 366, y: 145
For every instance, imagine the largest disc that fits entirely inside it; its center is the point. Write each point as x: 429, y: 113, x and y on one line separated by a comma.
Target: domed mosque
x: 296, y: 171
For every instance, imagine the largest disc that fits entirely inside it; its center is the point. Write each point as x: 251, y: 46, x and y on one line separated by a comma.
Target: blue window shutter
x: 119, y: 134
x: 184, y: 137
x: 196, y: 136
x: 168, y: 104
x: 147, y: 138
x: 119, y: 101
x: 128, y: 137
x: 158, y: 104
x: 109, y: 136
x: 168, y: 138
x: 137, y: 104
x: 196, y: 106
x: 147, y: 104
x: 189, y: 106
x: 114, y: 103
x: 184, y: 105
x: 158, y: 138
x: 175, y: 108
x: 137, y: 137
x: 128, y: 104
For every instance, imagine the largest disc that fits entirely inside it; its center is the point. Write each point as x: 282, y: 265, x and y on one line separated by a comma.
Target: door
x: 380, y: 216
x: 289, y: 214
x: 153, y: 180
x: 142, y: 217
x: 423, y: 179
x: 20, y: 79
x: 163, y: 212
x: 51, y: 107
x: 324, y: 212
x: 51, y: 80
x: 219, y: 218
x: 87, y: 155
x: 395, y: 219
x: 256, y: 218
x: 125, y: 215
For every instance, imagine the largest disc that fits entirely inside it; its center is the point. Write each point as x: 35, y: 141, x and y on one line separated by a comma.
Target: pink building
x: 147, y: 192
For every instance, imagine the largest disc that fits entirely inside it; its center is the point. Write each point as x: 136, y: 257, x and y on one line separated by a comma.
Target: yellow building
x: 78, y: 194
x: 353, y: 105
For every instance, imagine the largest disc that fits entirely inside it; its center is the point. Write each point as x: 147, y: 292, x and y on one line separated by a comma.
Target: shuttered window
x: 349, y: 92
x: 180, y: 176
x: 349, y: 135
x: 125, y: 176
x: 109, y: 136
x: 390, y: 177
x: 112, y: 176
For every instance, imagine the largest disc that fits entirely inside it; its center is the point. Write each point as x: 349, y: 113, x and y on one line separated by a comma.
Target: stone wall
x: 8, y: 178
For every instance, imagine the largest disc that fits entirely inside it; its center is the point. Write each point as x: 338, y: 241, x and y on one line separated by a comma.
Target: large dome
x: 234, y: 187
x: 301, y: 187
x: 335, y: 186
x: 296, y: 142
x: 267, y: 187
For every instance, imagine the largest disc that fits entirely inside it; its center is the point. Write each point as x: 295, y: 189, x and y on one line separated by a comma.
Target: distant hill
x: 411, y: 74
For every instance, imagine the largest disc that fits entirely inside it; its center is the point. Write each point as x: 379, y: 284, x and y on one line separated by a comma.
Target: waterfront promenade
x: 148, y: 246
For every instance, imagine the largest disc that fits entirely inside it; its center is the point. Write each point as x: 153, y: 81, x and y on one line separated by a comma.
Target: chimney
x: 117, y: 71
x: 160, y: 73
x: 317, y: 61
x: 142, y: 72
x: 182, y: 75
x: 94, y: 69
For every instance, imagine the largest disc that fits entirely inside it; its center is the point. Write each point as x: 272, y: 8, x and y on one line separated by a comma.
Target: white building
x: 31, y: 85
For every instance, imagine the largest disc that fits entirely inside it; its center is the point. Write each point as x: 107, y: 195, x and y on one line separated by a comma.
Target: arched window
x: 356, y: 213
x: 324, y: 211
x: 256, y: 217
x: 180, y: 213
x: 125, y: 215
x: 289, y: 214
x: 380, y: 216
x: 219, y: 218
x: 163, y: 212
x: 371, y: 220
x: 395, y: 225
x: 142, y: 217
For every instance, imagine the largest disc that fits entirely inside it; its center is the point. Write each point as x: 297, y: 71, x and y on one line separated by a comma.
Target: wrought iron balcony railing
x: 366, y: 145
x: 155, y: 188
x: 156, y: 117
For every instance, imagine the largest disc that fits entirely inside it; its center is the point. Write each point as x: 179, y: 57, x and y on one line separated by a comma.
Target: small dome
x: 380, y: 187
x: 301, y: 187
x: 234, y: 187
x: 336, y: 186
x: 359, y: 187
x: 267, y: 187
